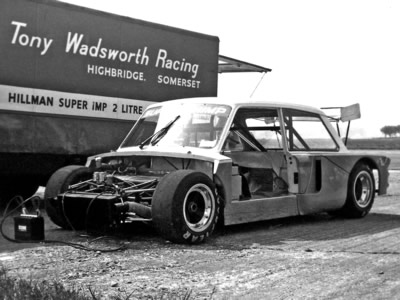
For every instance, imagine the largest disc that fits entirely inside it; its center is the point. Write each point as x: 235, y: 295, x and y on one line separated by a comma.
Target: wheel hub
x: 198, y: 207
x: 363, y: 189
x: 193, y: 207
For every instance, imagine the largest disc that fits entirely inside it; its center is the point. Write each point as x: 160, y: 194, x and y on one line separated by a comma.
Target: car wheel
x: 185, y: 207
x: 66, y: 215
x: 360, y: 192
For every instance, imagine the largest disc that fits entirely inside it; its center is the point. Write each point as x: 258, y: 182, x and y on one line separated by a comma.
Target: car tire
x: 185, y: 208
x: 65, y: 215
x: 360, y: 192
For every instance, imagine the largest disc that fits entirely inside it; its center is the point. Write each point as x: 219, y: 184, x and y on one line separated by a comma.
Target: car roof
x: 242, y: 102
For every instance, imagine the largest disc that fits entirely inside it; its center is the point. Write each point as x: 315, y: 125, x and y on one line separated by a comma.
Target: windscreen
x: 180, y: 124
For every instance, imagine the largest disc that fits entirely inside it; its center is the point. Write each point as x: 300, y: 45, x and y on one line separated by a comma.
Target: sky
x: 322, y: 53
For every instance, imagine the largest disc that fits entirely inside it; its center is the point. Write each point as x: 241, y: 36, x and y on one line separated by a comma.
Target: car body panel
x: 237, y: 212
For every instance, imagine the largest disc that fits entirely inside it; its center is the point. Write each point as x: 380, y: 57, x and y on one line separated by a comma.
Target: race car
x: 188, y: 164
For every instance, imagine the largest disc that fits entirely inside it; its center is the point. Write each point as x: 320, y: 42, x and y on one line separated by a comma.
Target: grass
x: 375, y: 143
x: 14, y: 288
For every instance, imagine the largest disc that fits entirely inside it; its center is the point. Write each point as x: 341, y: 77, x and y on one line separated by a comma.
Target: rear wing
x: 347, y: 114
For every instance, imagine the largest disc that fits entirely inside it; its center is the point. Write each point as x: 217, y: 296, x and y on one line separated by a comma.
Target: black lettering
x: 99, y: 106
x: 35, y: 99
x: 12, y: 97
x: 96, y: 106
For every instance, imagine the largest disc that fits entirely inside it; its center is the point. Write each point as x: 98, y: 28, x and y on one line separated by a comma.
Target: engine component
x: 137, y: 208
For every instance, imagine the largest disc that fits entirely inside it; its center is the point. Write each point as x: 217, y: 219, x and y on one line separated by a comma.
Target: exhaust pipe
x: 137, y: 208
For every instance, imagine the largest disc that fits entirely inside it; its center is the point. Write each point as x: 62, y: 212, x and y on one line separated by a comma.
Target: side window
x: 255, y: 129
x: 306, y: 132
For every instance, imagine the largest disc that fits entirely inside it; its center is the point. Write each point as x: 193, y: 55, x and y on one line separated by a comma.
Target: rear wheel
x: 185, y: 208
x: 360, y: 192
x: 65, y: 215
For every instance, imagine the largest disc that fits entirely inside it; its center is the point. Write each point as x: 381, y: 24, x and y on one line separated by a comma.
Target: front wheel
x: 65, y: 215
x: 185, y: 207
x: 360, y: 192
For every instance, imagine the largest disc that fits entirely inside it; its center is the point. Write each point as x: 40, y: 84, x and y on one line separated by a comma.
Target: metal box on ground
x: 29, y: 227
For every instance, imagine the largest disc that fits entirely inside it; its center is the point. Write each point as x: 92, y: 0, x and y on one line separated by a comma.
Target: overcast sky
x: 322, y: 53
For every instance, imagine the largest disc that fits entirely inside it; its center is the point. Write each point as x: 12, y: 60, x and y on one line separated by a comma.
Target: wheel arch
x: 380, y: 165
x: 221, y: 189
x: 221, y: 193
x: 367, y: 161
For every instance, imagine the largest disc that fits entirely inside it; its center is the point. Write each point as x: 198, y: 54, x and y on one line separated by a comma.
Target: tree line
x: 391, y: 131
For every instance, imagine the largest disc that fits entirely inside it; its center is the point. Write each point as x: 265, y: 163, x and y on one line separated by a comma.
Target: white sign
x: 21, y: 99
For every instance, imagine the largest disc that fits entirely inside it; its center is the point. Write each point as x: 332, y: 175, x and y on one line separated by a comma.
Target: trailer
x: 74, y: 80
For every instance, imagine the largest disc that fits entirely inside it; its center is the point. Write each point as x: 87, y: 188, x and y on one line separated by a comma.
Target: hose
x: 7, y: 214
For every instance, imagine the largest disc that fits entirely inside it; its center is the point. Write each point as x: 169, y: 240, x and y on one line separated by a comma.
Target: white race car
x: 188, y: 163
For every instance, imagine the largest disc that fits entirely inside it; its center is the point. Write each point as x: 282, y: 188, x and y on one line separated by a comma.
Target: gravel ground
x: 312, y: 257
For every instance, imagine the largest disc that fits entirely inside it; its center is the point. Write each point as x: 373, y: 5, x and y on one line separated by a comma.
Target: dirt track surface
x: 309, y: 257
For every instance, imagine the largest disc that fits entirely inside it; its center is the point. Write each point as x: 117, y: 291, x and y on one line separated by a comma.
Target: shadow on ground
x: 312, y: 229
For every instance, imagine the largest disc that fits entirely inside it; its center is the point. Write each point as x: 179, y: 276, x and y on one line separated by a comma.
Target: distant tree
x: 390, y: 131
x: 385, y: 130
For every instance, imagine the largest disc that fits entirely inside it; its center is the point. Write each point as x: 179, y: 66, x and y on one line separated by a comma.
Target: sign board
x: 60, y: 51
x: 73, y: 80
